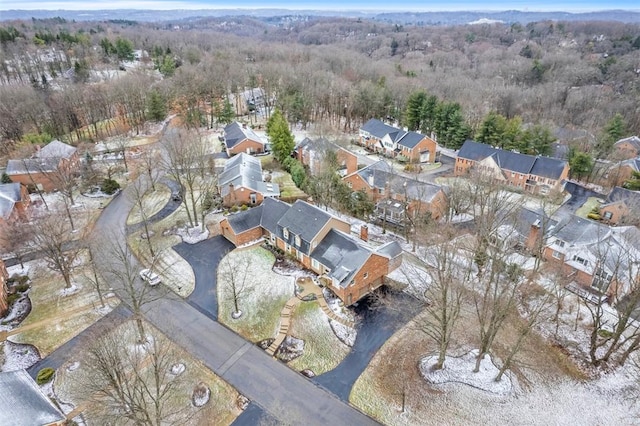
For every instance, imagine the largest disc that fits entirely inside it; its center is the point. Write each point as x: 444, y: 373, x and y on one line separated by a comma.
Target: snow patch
x: 18, y: 356
x: 70, y: 290
x: 193, y: 235
x: 346, y: 335
x: 460, y: 370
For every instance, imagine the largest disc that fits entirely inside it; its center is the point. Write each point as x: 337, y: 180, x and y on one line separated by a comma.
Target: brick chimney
x: 533, y: 239
x: 364, y: 233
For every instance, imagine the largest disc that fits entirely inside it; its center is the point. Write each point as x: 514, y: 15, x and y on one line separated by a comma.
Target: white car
x: 150, y: 277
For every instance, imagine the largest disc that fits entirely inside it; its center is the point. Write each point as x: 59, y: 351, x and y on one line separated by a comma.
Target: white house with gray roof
x: 393, y: 142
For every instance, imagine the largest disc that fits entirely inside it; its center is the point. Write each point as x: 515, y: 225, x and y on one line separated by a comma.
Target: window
x: 253, y: 197
x: 349, y: 184
x: 285, y: 233
x: 365, y: 275
x: 601, y: 280
x: 273, y: 238
x: 608, y: 215
x: 299, y: 256
x: 297, y: 240
x: 559, y: 243
x: 287, y: 248
x: 580, y: 260
x: 556, y: 254
x: 315, y: 265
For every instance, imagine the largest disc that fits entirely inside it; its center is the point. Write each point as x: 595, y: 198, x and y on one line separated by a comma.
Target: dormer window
x: 285, y: 233
x: 298, y: 241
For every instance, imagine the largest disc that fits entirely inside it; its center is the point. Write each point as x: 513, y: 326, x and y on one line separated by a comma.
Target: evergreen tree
x: 282, y: 142
x: 124, y: 49
x: 580, y: 163
x: 413, y: 113
x: 226, y: 114
x: 633, y: 183
x: 5, y: 178
x: 157, y: 106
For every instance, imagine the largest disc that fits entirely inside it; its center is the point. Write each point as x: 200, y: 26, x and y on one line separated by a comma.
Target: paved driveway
x: 378, y: 323
x: 204, y: 258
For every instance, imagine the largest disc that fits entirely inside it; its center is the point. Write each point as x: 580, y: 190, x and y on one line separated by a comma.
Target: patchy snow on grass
x: 336, y: 305
x: 18, y: 270
x: 527, y: 263
x: 68, y: 291
x: 460, y: 370
x: 16, y: 313
x: 416, y: 278
x: 347, y: 335
x: 193, y: 235
x: 18, y: 357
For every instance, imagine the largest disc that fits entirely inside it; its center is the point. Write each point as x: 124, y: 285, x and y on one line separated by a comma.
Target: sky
x: 360, y: 5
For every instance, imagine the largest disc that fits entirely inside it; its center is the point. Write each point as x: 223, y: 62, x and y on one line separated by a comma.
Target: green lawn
x: 588, y: 206
x: 288, y: 189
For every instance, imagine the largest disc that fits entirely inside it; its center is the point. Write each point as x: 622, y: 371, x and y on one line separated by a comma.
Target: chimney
x: 533, y: 239
x: 364, y: 233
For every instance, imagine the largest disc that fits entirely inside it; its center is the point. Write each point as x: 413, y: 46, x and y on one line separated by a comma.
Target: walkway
x: 310, y: 291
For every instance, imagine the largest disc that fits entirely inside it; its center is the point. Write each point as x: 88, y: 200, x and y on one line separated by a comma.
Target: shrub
x: 109, y: 186
x: 243, y: 207
x: 45, y: 375
x: 605, y: 334
x: 21, y: 288
x: 594, y: 216
x: 11, y: 299
x: 234, y: 209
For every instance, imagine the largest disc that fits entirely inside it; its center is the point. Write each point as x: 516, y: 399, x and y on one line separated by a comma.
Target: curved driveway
x: 204, y: 258
x: 284, y: 394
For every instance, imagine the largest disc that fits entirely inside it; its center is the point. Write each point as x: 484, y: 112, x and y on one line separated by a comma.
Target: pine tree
x: 282, y: 142
x: 226, y: 113
x: 157, y: 107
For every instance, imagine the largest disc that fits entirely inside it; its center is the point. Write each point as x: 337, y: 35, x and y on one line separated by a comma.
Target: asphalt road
x: 204, y: 258
x: 284, y: 394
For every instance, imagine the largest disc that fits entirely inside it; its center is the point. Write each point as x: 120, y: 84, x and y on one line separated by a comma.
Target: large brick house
x: 319, y: 241
x: 530, y: 173
x: 311, y: 152
x: 601, y: 259
x: 393, y: 142
x: 622, y: 171
x: 391, y: 192
x: 44, y: 168
x: 241, y: 182
x: 627, y: 148
x: 239, y: 139
x: 622, y: 207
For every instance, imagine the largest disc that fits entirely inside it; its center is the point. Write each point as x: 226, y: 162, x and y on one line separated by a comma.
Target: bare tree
x: 150, y: 159
x: 185, y: 161
x: 122, y: 144
x: 65, y: 179
x: 134, y: 382
x: 51, y: 235
x: 445, y: 281
x: 235, y: 279
x: 16, y: 238
x: 117, y: 266
x: 136, y: 193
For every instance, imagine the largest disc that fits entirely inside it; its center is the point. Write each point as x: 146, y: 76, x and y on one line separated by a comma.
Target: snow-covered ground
x: 460, y: 370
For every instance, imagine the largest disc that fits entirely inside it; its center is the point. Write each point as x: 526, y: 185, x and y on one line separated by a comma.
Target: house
x: 527, y: 230
x: 386, y: 188
x: 627, y: 148
x: 319, y: 241
x: 4, y: 276
x: 43, y: 169
x: 534, y: 174
x: 23, y: 403
x: 601, y: 259
x: 241, y: 182
x: 239, y: 138
x: 14, y: 204
x: 622, y: 207
x: 622, y: 171
x: 311, y: 153
x: 248, y: 100
x: 393, y: 142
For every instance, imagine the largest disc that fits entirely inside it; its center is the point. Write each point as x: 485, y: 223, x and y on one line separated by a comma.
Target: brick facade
x: 247, y: 146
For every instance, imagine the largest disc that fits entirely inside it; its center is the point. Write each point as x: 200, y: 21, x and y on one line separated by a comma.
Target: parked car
x: 150, y: 277
x: 176, y: 197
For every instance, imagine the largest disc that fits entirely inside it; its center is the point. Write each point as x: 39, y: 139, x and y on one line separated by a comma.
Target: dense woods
x: 515, y: 86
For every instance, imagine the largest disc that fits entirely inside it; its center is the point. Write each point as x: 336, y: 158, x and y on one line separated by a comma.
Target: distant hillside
x: 418, y: 18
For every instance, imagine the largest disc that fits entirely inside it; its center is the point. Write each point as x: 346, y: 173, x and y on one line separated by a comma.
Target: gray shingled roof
x: 579, y: 231
x: 22, y: 403
x: 410, y: 139
x: 246, y: 220
x: 632, y: 198
x: 521, y: 163
x: 633, y: 140
x: 391, y: 250
x: 343, y: 255
x: 55, y: 149
x: 381, y: 171
x: 9, y: 196
x: 304, y: 220
x: 32, y: 165
x: 383, y: 175
x: 234, y: 134
x: 377, y: 128
x: 245, y: 171
x: 272, y: 211
x: 525, y: 218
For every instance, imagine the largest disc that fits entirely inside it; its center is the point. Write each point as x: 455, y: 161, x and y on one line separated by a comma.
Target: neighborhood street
x: 284, y: 394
